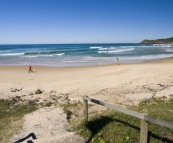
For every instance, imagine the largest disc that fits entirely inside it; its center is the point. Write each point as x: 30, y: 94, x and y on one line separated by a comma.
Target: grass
x: 108, y: 126
x: 11, y: 118
x: 115, y: 127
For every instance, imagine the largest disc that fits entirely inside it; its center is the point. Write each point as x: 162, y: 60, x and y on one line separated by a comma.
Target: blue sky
x: 84, y: 21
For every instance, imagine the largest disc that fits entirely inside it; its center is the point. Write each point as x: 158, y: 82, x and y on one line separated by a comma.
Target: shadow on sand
x: 25, y: 138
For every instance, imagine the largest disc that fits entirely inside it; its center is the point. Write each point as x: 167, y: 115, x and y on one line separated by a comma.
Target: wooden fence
x: 144, y: 117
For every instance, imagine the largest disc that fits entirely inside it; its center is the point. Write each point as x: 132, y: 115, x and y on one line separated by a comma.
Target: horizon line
x: 70, y: 43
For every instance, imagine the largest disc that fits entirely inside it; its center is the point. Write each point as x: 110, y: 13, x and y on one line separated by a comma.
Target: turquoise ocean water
x: 60, y: 55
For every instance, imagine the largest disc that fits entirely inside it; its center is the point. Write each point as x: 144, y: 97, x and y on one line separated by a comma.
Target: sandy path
x: 49, y: 125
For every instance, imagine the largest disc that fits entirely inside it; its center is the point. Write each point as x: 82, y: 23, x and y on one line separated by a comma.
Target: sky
x: 84, y: 21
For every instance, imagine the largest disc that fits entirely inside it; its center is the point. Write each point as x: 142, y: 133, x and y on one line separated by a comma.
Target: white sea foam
x: 103, y: 48
x: 169, y: 50
x: 148, y: 46
x: 148, y: 57
x: 60, y: 54
x: 162, y: 45
x: 129, y: 46
x: 113, y: 48
x: 102, y: 51
x: 45, y: 55
x: 29, y: 56
x: 106, y: 60
x: 12, y: 54
x: 48, y: 55
x: 116, y: 51
x: 95, y: 47
x: 124, y: 50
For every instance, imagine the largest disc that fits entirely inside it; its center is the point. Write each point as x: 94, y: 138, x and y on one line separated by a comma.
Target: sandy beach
x: 124, y: 84
x: 94, y: 81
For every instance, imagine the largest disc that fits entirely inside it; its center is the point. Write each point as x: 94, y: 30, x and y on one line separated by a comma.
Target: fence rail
x: 143, y: 116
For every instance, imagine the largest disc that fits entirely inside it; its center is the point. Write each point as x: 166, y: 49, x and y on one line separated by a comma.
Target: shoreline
x: 89, y: 65
x: 170, y: 59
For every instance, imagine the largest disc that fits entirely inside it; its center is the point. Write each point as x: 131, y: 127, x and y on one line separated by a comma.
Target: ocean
x: 62, y: 55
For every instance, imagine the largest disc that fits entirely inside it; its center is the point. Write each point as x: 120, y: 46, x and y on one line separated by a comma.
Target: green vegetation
x: 158, y: 41
x: 107, y: 126
x: 114, y: 127
x: 11, y: 118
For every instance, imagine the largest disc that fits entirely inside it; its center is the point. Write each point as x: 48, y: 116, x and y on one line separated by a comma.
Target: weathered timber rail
x: 143, y: 116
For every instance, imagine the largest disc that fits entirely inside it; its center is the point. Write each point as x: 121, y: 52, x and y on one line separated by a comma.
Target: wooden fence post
x: 144, y: 131
x: 85, y: 110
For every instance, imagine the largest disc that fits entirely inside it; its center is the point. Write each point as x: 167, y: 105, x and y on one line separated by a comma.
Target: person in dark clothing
x: 30, y: 69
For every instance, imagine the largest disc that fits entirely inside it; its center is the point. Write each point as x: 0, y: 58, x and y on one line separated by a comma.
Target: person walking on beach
x: 117, y: 61
x: 30, y: 69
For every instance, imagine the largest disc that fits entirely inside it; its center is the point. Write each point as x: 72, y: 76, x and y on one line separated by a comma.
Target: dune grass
x: 111, y: 126
x: 11, y: 118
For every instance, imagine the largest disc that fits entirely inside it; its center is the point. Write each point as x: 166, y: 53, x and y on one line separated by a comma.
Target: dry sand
x: 124, y: 83
x: 49, y: 125
x: 94, y: 81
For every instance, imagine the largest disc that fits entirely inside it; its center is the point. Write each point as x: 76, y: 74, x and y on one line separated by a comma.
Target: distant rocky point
x: 158, y: 41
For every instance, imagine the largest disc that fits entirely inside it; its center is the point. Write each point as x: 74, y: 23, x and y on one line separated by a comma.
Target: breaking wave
x: 116, y: 51
x: 12, y: 54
